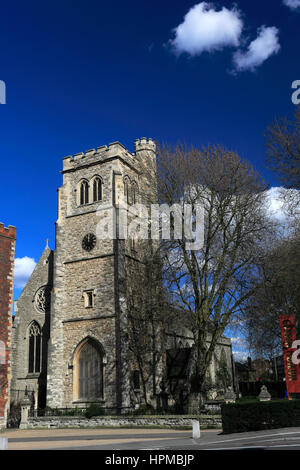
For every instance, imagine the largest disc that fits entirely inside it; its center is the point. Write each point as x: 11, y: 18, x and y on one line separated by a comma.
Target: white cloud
x: 23, y: 269
x: 281, y: 203
x: 259, y: 50
x: 292, y: 4
x: 275, y: 204
x: 240, y: 356
x: 239, y: 348
x: 205, y: 29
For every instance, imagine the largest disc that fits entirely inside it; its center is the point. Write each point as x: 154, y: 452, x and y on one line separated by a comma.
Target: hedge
x: 257, y: 416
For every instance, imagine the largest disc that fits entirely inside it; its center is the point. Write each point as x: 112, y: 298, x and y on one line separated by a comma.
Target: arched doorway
x: 88, y: 373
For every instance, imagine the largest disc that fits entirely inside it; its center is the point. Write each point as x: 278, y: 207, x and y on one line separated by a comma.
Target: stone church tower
x: 88, y: 356
x: 72, y: 336
x: 70, y: 331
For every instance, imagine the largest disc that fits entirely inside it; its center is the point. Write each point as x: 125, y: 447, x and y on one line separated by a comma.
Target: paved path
x: 91, y: 438
x: 150, y: 439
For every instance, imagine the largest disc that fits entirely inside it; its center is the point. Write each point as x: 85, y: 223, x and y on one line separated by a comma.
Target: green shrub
x: 256, y: 416
x: 144, y: 410
x: 94, y: 410
x: 74, y: 412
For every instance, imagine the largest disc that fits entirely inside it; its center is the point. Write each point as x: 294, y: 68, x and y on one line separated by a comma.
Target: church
x: 70, y: 336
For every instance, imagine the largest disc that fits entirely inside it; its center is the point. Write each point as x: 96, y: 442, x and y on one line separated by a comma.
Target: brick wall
x: 7, y: 252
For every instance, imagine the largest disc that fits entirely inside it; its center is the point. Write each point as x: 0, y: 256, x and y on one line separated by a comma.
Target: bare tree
x: 283, y: 156
x: 145, y: 317
x: 278, y: 294
x: 280, y: 266
x: 211, y: 283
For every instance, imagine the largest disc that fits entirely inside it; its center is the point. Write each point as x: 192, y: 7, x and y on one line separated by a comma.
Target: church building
x: 71, y: 331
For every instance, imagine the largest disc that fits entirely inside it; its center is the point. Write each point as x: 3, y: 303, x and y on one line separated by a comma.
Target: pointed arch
x: 127, y: 189
x: 83, y: 192
x: 88, y: 370
x: 34, y: 348
x: 97, y: 188
x: 134, y: 192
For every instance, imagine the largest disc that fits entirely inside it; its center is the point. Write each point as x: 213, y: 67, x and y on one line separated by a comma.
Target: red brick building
x: 7, y: 253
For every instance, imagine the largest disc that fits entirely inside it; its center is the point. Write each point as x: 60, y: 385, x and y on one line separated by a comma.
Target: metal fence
x: 34, y: 413
x: 86, y: 412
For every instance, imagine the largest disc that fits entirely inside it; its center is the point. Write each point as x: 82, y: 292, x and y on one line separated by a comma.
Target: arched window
x: 133, y: 242
x: 127, y: 197
x: 134, y: 192
x: 84, y: 193
x: 90, y: 372
x: 35, y: 340
x: 97, y: 189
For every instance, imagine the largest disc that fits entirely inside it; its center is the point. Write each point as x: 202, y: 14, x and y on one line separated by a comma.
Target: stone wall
x: 206, y: 422
x: 7, y: 252
x: 29, y: 310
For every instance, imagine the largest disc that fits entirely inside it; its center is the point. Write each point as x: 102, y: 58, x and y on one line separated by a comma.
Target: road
x: 150, y: 439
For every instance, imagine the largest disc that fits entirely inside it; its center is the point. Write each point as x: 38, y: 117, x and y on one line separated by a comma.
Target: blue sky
x: 82, y: 74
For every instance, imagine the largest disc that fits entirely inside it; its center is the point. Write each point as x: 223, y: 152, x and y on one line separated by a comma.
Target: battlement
x: 10, y: 232
x: 102, y: 152
x: 144, y: 144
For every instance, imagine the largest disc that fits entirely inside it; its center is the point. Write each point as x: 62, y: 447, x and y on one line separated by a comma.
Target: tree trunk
x: 196, y: 377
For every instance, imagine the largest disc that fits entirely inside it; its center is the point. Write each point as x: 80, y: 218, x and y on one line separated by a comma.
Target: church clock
x: 89, y: 242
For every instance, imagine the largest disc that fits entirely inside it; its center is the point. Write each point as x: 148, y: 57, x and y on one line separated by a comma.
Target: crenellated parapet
x: 104, y: 152
x: 9, y: 232
x: 101, y: 153
x: 144, y: 144
x: 82, y: 158
x: 113, y: 149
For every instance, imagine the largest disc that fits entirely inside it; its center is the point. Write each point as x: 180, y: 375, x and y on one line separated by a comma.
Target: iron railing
x: 34, y: 413
x: 84, y: 412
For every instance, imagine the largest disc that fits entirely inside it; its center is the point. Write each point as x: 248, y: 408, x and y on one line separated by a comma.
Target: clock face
x: 89, y: 242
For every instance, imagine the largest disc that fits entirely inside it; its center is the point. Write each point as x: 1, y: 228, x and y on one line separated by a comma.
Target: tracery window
x: 84, y: 193
x: 35, y: 340
x: 90, y: 375
x: 97, y: 189
x: 42, y: 299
